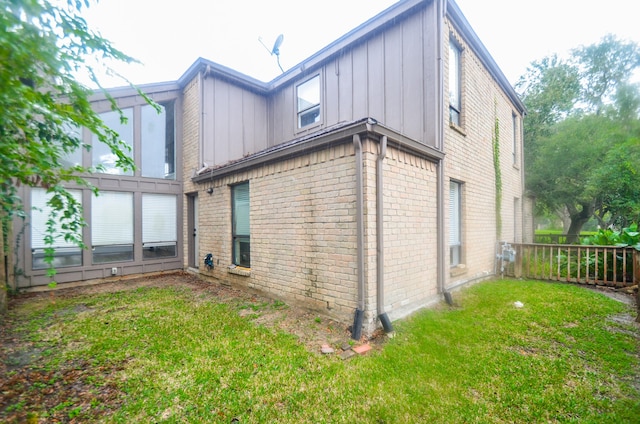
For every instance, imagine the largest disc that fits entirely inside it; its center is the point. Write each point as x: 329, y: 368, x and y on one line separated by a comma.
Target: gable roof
x: 359, y: 34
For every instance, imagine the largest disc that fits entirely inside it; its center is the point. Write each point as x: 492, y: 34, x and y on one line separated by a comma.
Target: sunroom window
x: 158, y: 142
x: 159, y: 225
x: 102, y: 155
x: 67, y: 253
x: 112, y: 227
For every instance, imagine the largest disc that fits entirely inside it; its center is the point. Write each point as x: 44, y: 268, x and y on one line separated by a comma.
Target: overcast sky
x: 167, y: 37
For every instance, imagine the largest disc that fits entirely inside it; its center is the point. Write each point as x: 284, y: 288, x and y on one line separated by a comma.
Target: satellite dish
x: 276, y: 46
x: 275, y: 50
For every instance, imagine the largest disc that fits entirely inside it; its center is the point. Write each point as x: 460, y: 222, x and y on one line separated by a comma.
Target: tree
x: 603, y: 68
x: 616, y: 185
x: 43, y: 47
x: 550, y: 89
x: 557, y: 174
x: 580, y: 130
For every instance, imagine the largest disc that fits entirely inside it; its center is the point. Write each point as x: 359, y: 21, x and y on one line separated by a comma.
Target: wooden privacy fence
x: 599, y: 265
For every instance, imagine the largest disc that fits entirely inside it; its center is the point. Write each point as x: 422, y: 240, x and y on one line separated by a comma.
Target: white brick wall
x: 304, y: 235
x: 469, y: 159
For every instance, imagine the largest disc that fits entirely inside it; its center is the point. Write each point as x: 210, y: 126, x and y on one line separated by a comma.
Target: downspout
x: 356, y: 330
x: 201, y: 129
x: 382, y: 315
x: 440, y: 238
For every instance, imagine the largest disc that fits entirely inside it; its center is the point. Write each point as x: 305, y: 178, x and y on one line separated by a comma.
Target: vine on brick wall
x: 496, y: 167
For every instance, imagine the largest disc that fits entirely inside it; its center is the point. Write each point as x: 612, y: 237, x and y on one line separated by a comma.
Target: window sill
x: 239, y: 270
x: 458, y: 270
x: 308, y: 128
x: 457, y: 129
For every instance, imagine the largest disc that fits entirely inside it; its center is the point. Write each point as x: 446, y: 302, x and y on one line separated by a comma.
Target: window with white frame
x: 455, y: 83
x: 67, y: 252
x: 101, y: 153
x: 308, y: 102
x: 158, y: 141
x: 240, y: 230
x: 112, y: 227
x: 159, y: 225
x: 455, y: 223
x: 514, y: 120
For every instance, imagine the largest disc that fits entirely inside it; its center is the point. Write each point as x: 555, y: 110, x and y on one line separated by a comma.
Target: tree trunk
x: 3, y: 274
x: 565, y: 217
x: 578, y: 219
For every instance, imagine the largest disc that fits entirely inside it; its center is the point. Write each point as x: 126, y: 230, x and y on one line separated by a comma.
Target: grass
x: 176, y: 356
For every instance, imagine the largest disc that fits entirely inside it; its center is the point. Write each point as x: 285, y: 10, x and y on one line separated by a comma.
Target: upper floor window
x: 72, y: 158
x: 158, y: 142
x: 455, y: 82
x: 101, y: 153
x: 514, y: 120
x: 308, y: 102
x: 151, y: 135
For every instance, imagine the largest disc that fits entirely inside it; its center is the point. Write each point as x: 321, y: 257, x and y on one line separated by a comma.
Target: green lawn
x: 176, y: 355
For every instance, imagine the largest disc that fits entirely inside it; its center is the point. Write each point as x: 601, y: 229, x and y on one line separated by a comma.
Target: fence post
x: 636, y: 279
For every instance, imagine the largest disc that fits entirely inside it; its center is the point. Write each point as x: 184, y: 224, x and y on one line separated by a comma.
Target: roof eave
x: 127, y: 91
x: 356, y: 35
x: 209, y: 68
x: 367, y: 126
x: 462, y: 25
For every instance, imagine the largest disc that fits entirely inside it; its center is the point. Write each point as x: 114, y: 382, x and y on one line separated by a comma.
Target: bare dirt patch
x: 28, y: 384
x: 312, y: 329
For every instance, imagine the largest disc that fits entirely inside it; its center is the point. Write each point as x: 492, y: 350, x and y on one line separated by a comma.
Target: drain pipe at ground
x: 356, y: 330
x: 382, y: 315
x: 441, y: 10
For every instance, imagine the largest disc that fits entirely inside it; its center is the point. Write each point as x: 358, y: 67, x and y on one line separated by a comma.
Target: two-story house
x: 361, y: 183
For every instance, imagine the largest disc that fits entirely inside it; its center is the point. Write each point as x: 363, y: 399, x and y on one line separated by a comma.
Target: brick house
x: 360, y: 183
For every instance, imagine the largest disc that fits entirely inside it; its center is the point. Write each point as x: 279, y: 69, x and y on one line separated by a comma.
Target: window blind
x: 159, y: 218
x: 454, y: 214
x: 112, y: 218
x: 241, y: 210
x: 40, y: 215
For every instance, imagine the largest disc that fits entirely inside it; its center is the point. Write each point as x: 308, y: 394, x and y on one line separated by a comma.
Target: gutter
x: 462, y: 25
